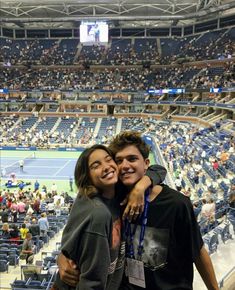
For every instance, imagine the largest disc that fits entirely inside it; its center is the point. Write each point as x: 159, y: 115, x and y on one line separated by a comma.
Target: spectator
x: 34, y: 228
x: 5, y: 231
x: 1, y: 199
x: 196, y: 209
x: 36, y: 205
x: 4, y: 214
x: 187, y: 192
x: 162, y: 264
x: 178, y: 183
x: 44, y: 188
x: 43, y: 206
x: 224, y: 157
x: 36, y: 186
x: 196, y: 180
x: 95, y: 172
x: 43, y: 224
x: 215, y: 165
x: 30, y: 210
x: 51, y: 208
x: 21, y: 206
x: 14, y: 233
x: 23, y: 231
x: 27, y: 251
x: 208, y: 210
x: 54, y: 188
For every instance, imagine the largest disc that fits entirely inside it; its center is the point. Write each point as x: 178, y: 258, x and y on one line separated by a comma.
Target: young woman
x: 92, y: 236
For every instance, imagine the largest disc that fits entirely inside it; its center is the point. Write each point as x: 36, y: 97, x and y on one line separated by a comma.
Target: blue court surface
x: 41, y: 168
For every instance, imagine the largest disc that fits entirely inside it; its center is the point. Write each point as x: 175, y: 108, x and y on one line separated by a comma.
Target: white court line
x: 26, y: 166
x: 61, y: 168
x: 33, y: 176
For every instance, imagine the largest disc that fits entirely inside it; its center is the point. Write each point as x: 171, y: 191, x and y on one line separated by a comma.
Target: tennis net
x: 16, y: 165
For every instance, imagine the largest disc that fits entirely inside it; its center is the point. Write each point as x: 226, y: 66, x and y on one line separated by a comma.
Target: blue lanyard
x: 130, y: 233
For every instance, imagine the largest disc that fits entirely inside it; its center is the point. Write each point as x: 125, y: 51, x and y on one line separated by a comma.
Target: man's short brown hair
x: 129, y: 138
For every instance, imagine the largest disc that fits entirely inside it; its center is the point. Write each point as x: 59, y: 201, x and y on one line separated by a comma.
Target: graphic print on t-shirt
x: 156, y: 242
x: 117, y: 251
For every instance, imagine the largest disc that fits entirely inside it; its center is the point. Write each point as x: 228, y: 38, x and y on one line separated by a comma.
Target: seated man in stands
x: 27, y: 249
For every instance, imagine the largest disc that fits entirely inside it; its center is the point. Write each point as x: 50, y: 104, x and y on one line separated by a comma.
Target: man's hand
x: 69, y: 273
x: 135, y: 199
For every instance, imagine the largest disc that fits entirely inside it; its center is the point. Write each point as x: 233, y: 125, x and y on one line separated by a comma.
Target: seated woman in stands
x: 5, y: 231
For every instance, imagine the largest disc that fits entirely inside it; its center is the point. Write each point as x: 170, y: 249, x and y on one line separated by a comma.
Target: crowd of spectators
x: 14, y: 132
x: 37, y: 52
x: 187, y: 162
x: 28, y: 220
x: 33, y: 206
x: 210, y: 45
x: 130, y: 79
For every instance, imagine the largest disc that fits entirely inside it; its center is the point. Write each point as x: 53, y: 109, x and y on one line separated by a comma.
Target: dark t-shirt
x: 34, y: 230
x: 4, y: 216
x: 172, y: 242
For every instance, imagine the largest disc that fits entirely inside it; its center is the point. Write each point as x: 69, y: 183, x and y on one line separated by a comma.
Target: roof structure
x: 67, y: 13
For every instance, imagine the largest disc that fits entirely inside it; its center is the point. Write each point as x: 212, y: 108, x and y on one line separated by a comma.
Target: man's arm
x: 205, y: 268
x: 68, y: 271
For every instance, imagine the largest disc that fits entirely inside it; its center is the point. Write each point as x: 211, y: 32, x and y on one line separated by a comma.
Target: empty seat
x: 224, y: 232
x: 34, y: 284
x: 212, y: 242
x: 4, y: 265
x: 13, y: 259
x: 49, y: 261
x: 18, y: 284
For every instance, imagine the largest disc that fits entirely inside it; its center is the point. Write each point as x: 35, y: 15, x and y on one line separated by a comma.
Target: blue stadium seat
x: 4, y: 266
x: 212, y: 242
x: 224, y: 231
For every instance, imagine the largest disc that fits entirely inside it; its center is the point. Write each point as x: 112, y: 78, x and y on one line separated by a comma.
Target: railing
x: 228, y: 280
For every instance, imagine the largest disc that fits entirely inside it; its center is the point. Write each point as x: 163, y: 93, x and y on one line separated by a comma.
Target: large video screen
x: 94, y: 32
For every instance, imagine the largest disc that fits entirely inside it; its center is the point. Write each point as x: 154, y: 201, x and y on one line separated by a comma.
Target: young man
x: 167, y: 241
x: 171, y: 238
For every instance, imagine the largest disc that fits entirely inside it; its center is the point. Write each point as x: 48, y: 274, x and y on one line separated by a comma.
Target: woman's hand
x: 135, y: 199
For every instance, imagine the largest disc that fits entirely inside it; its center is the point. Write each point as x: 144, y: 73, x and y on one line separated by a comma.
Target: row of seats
x: 49, y: 51
x: 212, y: 238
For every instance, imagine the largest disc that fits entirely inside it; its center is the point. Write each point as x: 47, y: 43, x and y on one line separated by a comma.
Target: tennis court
x: 49, y: 165
x: 45, y: 166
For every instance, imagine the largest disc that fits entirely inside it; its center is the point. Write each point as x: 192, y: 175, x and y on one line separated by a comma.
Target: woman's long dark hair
x: 82, y: 171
